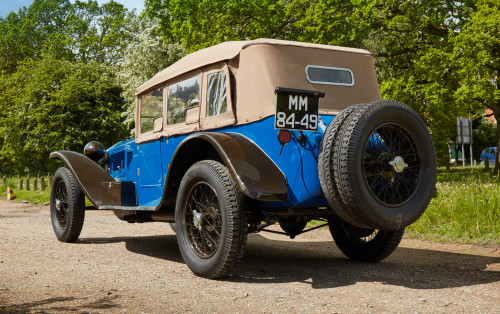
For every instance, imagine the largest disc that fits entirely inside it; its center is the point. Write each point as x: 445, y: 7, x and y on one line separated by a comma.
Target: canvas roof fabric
x: 225, y: 51
x: 258, y: 67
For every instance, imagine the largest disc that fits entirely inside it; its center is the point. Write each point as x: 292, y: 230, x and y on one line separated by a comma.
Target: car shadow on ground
x: 322, y: 265
x: 163, y: 247
x: 59, y: 304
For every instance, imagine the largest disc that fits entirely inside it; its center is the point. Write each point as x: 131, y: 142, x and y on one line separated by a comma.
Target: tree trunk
x: 496, y: 113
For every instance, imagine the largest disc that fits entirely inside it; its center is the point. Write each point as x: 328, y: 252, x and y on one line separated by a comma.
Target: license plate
x: 297, y: 109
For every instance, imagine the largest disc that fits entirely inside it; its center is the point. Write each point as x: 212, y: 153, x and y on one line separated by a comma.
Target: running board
x: 136, y: 208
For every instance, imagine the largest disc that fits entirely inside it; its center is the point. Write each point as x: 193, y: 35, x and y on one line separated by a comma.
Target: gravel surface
x: 121, y: 267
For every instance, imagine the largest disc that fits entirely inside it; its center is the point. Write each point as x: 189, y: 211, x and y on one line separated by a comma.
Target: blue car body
x: 297, y: 162
x: 491, y: 153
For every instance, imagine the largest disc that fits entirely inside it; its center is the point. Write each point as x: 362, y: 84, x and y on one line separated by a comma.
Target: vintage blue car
x: 243, y: 135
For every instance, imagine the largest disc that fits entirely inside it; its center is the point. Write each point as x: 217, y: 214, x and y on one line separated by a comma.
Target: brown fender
x: 99, y: 187
x: 255, y: 174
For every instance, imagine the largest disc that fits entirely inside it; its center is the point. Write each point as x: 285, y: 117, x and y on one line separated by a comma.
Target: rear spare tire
x: 383, y: 164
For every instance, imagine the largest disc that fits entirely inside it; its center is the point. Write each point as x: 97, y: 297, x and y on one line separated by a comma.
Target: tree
x: 51, y: 105
x: 477, y: 51
x: 145, y: 55
x: 202, y: 23
x: 81, y: 31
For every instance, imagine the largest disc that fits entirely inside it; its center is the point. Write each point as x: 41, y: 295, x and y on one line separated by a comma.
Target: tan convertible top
x: 225, y: 51
x: 258, y: 67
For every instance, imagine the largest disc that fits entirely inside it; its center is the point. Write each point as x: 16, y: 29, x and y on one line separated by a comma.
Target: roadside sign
x: 464, y: 130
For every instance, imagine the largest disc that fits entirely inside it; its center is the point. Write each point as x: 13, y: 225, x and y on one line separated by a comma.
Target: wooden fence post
x: 487, y: 163
x: 28, y: 183
x: 35, y: 183
x: 21, y: 184
x: 50, y: 180
x: 42, y: 184
x: 4, y: 179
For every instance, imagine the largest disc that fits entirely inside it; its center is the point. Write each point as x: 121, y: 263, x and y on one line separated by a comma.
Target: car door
x: 149, y: 176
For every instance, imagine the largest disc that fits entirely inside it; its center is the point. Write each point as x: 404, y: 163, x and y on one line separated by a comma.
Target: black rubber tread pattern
x: 374, y: 250
x: 342, y: 163
x: 326, y: 162
x: 234, y: 240
x: 76, y: 207
x: 347, y: 167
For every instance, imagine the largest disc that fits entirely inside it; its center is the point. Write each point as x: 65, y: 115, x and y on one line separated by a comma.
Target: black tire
x: 384, y: 166
x: 67, y: 206
x: 293, y: 225
x: 365, y: 245
x: 326, y: 162
x: 209, y: 220
x: 172, y: 226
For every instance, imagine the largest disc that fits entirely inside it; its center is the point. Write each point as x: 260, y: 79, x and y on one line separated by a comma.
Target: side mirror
x: 157, y: 124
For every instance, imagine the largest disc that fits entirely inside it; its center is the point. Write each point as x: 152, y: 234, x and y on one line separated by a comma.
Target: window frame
x: 225, y: 119
x: 329, y: 68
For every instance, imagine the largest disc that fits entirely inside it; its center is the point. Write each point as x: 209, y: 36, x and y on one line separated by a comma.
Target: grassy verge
x: 467, y: 208
x: 22, y: 195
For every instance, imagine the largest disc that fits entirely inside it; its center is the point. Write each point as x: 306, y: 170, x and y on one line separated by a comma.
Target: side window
x: 151, y: 107
x: 181, y: 96
x: 216, y: 94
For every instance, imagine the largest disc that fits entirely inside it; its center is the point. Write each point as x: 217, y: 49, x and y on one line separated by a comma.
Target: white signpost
x: 464, y: 131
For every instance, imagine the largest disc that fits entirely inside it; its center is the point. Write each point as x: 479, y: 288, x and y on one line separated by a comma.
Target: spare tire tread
x: 325, y: 163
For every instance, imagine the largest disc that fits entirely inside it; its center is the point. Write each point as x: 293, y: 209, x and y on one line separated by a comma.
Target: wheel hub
x: 398, y: 164
x: 58, y: 205
x: 197, y: 220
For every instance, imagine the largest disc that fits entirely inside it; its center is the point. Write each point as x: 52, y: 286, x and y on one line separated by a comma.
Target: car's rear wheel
x: 67, y: 206
x: 209, y: 220
x: 365, y: 245
x: 381, y: 163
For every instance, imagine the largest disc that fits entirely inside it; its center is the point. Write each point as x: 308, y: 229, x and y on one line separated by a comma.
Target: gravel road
x: 121, y: 267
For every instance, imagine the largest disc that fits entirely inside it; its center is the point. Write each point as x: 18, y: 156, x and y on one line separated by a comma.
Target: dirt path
x: 121, y: 267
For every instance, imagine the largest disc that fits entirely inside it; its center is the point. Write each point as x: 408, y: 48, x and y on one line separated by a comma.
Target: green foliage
x: 484, y: 136
x: 146, y: 54
x: 477, y: 51
x: 54, y: 105
x: 81, y: 31
x: 202, y: 23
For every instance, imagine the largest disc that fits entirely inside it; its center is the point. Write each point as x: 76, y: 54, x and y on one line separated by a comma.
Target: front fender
x: 255, y: 174
x: 91, y: 178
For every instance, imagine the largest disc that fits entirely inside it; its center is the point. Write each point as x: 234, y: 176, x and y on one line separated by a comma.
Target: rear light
x: 284, y: 137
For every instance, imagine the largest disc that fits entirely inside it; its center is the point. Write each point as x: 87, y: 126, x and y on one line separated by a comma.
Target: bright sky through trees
x: 6, y: 6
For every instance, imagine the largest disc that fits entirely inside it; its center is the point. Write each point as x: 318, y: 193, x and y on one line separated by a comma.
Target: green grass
x: 23, y: 195
x: 467, y: 208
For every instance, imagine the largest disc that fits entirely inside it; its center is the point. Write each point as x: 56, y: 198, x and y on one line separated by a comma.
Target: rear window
x: 329, y: 75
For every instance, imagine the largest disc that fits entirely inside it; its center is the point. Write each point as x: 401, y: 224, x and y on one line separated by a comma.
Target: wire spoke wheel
x: 203, y: 220
x: 67, y: 206
x: 209, y: 220
x: 391, y: 164
x: 362, y: 244
x: 61, y: 199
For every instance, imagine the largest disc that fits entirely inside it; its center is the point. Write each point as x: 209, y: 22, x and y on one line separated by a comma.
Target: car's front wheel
x: 67, y: 206
x: 209, y: 220
x: 365, y: 245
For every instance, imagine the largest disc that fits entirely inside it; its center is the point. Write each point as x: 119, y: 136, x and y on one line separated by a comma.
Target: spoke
x: 387, y: 142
